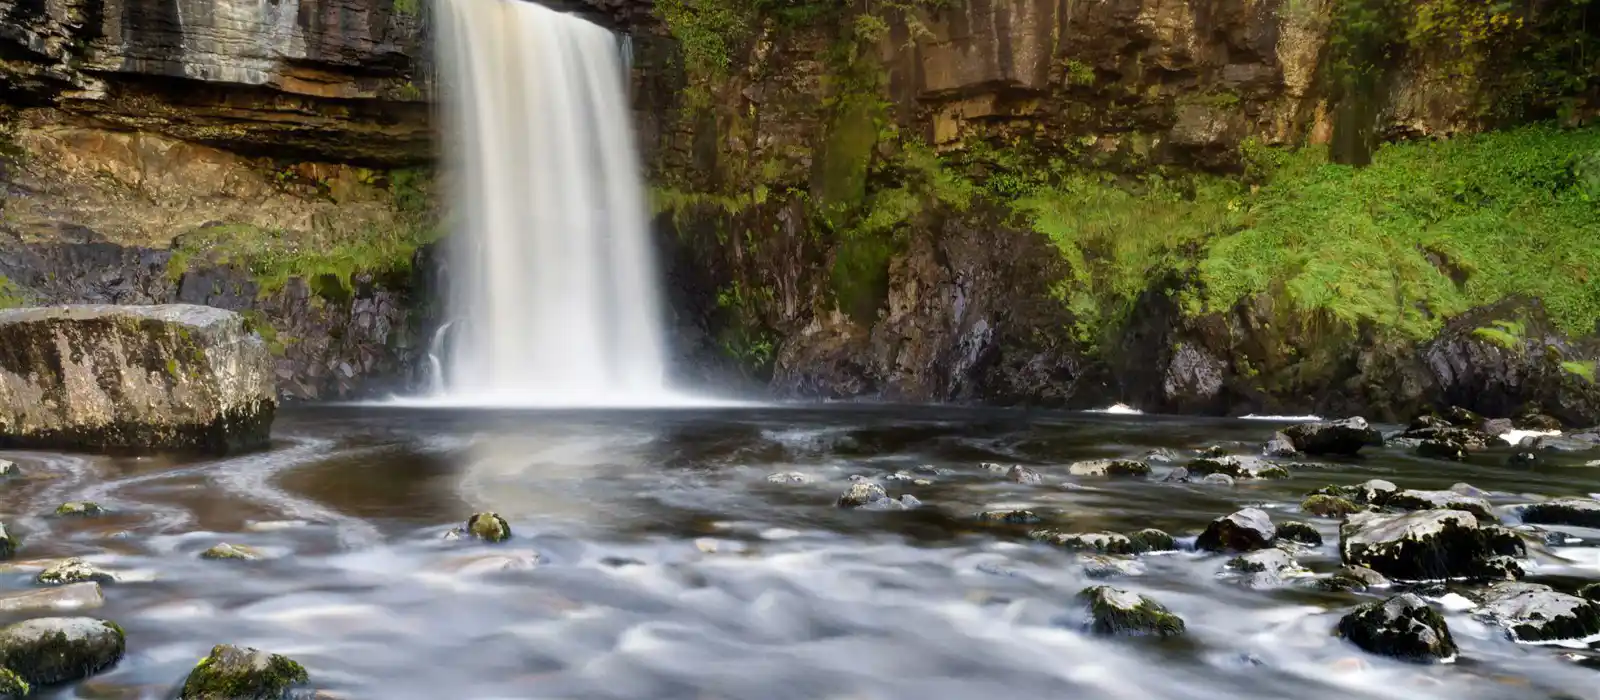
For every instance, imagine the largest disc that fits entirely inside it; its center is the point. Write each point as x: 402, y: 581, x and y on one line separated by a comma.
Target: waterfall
x: 553, y: 285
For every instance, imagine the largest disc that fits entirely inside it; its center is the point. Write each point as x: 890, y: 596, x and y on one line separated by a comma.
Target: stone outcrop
x: 176, y: 377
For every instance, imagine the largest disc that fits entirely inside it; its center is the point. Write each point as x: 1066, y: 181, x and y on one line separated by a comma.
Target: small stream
x: 652, y: 558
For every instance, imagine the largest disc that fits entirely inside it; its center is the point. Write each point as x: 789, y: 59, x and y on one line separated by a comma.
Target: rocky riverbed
x: 841, y: 551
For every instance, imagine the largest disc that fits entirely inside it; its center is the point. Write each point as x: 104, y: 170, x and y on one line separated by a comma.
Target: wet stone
x: 1299, y: 532
x: 1244, y: 531
x: 1590, y: 591
x: 1008, y: 517
x: 1427, y: 545
x: 860, y: 494
x: 1265, y: 568
x: 1279, y: 445
x: 1462, y: 418
x: 52, y: 650
x: 8, y: 544
x: 1353, y: 578
x: 788, y: 478
x: 1403, y: 627
x: 9, y: 469
x: 1340, y: 437
x: 1523, y: 457
x: 1324, y: 506
x: 72, y: 596
x: 74, y: 571
x: 231, y: 551
x: 1581, y: 512
x: 1412, y: 499
x: 1466, y: 489
x: 1238, y: 467
x: 1099, y: 542
x: 1114, y: 468
x: 77, y: 509
x: 243, y: 673
x: 1535, y: 613
x: 1100, y: 566
x: 1442, y: 449
x: 1024, y: 475
x: 1176, y: 476
x: 1116, y: 612
x: 1217, y: 480
x: 1153, y: 540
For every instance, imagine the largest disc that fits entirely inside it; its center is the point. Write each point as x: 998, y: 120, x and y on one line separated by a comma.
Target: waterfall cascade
x: 553, y: 291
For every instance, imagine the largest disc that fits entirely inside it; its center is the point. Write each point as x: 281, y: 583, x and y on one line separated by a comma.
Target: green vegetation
x: 1506, y: 334
x: 11, y: 295
x: 328, y: 262
x: 409, y: 8
x: 1586, y: 370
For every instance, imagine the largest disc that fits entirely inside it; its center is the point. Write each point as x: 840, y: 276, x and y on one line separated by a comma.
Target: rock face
x: 1403, y: 627
x: 51, y: 650
x: 242, y: 673
x: 1427, y: 545
x: 153, y: 377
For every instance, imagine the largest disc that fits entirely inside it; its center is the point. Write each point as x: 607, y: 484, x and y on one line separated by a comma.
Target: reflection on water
x: 654, y: 559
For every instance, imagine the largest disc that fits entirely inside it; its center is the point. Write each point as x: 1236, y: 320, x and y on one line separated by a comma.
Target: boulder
x: 1299, y: 532
x: 231, y: 551
x: 1582, y: 512
x: 1325, y: 506
x: 1153, y: 540
x: 1116, y: 612
x: 1100, y: 566
x: 1023, y: 475
x: 1178, y: 475
x: 51, y: 650
x: 1217, y: 480
x: 8, y: 469
x: 171, y: 377
x: 8, y: 544
x: 1442, y: 449
x: 1099, y: 542
x: 1117, y: 468
x: 74, y: 571
x: 1427, y: 545
x: 1403, y: 627
x: 1465, y: 438
x: 72, y: 596
x: 1353, y: 578
x: 1340, y: 437
x: 1244, y: 531
x: 1238, y: 467
x: 1008, y: 517
x: 1536, y: 613
x: 242, y: 673
x: 489, y: 527
x: 1412, y: 499
x: 79, y: 509
x: 1279, y: 445
x: 861, y: 494
x: 788, y: 478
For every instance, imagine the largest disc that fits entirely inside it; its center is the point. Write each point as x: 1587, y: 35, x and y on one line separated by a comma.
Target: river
x: 653, y: 558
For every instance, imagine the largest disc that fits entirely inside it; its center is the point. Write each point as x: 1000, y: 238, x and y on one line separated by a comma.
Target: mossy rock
x: 1402, y: 627
x: 231, y: 551
x: 1098, y: 542
x: 74, y: 571
x: 1299, y: 532
x: 242, y: 673
x: 1116, y: 612
x: 51, y: 650
x: 1324, y: 506
x: 12, y: 685
x: 1153, y: 540
x: 79, y: 509
x: 1008, y: 517
x: 8, y: 544
x: 489, y: 527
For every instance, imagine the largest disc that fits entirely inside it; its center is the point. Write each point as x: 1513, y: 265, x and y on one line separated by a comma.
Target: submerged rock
x: 1153, y: 540
x: 489, y: 527
x: 1217, y: 480
x: 1535, y: 613
x: 1353, y: 578
x: 1325, y: 506
x: 1412, y: 499
x: 1279, y: 445
x: 1238, y: 467
x: 1178, y: 475
x: 1100, y: 566
x: 1442, y: 449
x: 1427, y: 545
x: 1099, y: 542
x: 72, y: 596
x: 169, y: 377
x: 231, y: 551
x: 1116, y: 468
x: 74, y: 571
x: 51, y: 650
x: 1299, y: 532
x: 1403, y: 627
x: 1582, y: 512
x: 1116, y: 612
x: 1243, y: 531
x: 1340, y: 437
x: 242, y: 673
x: 79, y: 509
x: 1009, y: 517
x: 1265, y: 568
x: 861, y: 494
x: 1024, y: 475
x: 788, y: 478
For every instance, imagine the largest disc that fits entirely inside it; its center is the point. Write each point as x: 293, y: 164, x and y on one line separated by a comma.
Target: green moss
x: 79, y: 509
x: 1079, y: 73
x: 1326, y: 506
x: 11, y: 295
x: 1586, y: 370
x: 12, y: 685
x: 409, y: 8
x: 489, y: 527
x: 1110, y: 617
x: 1498, y: 337
x: 328, y: 262
x: 228, y: 673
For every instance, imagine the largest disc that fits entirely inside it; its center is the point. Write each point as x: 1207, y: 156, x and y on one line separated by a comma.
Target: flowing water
x: 554, y: 299
x: 652, y: 558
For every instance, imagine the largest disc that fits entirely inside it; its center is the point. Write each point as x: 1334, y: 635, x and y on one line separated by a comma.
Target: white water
x: 554, y: 298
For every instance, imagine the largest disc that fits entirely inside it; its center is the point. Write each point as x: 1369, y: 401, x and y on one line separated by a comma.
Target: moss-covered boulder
x: 1402, y: 627
x: 72, y: 596
x: 1339, y: 437
x: 172, y: 377
x: 1116, y: 612
x: 1414, y: 499
x: 860, y: 494
x: 1442, y: 449
x: 489, y: 527
x: 1298, y: 532
x: 1429, y: 545
x: 1114, y: 468
x: 79, y: 509
x: 1238, y: 467
x: 242, y: 673
x: 231, y: 551
x: 1247, y: 530
x: 1008, y: 517
x: 51, y: 650
x: 1098, y: 542
x: 1537, y: 613
x: 74, y: 571
x: 1354, y: 579
x: 1325, y: 506
x: 1153, y: 540
x: 1582, y: 512
x: 1265, y: 568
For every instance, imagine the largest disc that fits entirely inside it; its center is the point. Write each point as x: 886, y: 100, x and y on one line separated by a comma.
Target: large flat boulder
x: 144, y: 378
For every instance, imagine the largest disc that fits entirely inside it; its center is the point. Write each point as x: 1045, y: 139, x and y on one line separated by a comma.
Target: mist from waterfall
x: 553, y: 289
